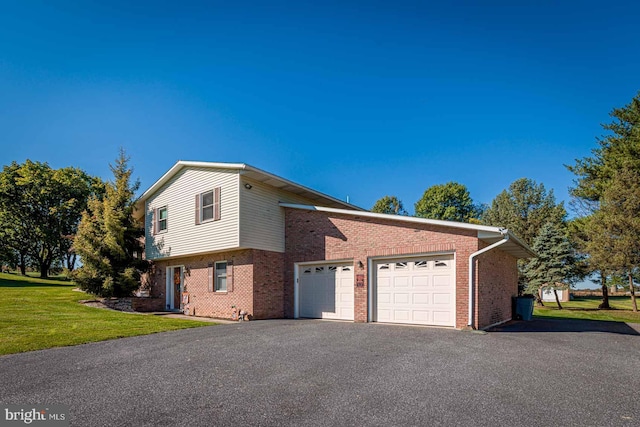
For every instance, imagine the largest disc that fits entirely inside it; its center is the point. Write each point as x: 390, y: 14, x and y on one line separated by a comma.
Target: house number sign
x: 360, y: 280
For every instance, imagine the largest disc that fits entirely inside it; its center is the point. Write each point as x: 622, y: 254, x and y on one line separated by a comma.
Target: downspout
x: 505, y: 239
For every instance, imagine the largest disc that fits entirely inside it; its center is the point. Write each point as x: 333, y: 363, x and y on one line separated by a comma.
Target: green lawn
x: 37, y: 314
x: 587, y: 308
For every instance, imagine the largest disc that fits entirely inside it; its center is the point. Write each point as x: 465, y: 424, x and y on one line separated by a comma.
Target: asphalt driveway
x: 305, y: 372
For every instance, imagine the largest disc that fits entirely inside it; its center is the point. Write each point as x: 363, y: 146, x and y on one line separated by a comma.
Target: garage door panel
x: 384, y: 282
x: 401, y: 298
x: 420, y: 299
x: 401, y: 282
x: 326, y: 292
x: 442, y: 281
x: 443, y: 318
x: 421, y: 282
x: 416, y: 291
x: 401, y: 315
x: 421, y: 316
x: 442, y: 299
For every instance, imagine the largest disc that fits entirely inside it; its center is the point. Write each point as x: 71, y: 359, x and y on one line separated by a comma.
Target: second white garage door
x: 326, y: 291
x: 417, y: 291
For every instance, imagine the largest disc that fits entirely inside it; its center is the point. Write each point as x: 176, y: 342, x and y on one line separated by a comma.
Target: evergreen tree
x: 607, y: 188
x: 552, y: 267
x: 614, y: 231
x: 109, y: 239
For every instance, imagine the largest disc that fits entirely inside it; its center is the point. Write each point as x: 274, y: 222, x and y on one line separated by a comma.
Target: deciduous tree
x: 39, y: 209
x: 449, y: 202
x: 524, y: 208
x: 389, y: 205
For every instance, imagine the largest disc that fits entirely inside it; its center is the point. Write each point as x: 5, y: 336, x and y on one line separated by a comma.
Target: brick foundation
x: 147, y: 304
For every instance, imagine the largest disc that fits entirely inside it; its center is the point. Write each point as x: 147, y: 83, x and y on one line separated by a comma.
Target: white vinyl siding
x: 261, y: 217
x: 184, y: 237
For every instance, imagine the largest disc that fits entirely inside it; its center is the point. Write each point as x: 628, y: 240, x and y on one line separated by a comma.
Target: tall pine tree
x: 108, y: 239
x: 552, y: 267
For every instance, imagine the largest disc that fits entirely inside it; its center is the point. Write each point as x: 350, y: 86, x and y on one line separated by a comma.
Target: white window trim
x: 213, y: 206
x: 216, y: 277
x: 166, y: 220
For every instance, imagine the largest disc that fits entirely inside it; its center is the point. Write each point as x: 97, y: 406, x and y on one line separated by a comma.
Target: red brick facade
x: 262, y: 282
x: 314, y: 236
x: 497, y: 278
x: 254, y: 283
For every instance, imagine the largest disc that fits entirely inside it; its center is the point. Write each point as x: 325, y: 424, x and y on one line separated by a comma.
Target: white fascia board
x: 183, y: 163
x: 317, y: 193
x: 235, y: 166
x: 411, y: 219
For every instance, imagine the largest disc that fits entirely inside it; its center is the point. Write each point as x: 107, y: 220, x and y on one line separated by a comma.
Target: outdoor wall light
x: 360, y: 264
x: 248, y: 186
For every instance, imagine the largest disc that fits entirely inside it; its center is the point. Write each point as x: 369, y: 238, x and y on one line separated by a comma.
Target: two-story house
x: 230, y: 237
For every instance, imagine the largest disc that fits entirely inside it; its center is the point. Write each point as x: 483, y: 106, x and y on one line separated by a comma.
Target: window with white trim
x: 220, y: 272
x: 208, y: 206
x: 162, y: 219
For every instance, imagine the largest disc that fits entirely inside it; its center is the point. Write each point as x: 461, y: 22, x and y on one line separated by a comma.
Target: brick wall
x: 148, y: 304
x: 268, y: 285
x: 254, y: 283
x: 315, y: 236
x: 497, y: 282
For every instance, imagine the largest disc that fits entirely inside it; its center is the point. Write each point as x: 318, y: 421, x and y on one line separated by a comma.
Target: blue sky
x: 358, y: 99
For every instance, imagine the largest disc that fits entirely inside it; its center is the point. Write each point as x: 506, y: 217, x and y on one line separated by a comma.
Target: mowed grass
x: 36, y: 314
x: 586, y: 308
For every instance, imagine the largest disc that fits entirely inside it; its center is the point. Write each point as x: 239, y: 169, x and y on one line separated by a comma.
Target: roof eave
x: 486, y: 233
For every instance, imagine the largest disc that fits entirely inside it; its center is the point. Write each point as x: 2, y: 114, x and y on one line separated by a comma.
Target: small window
x: 441, y: 263
x: 307, y: 270
x: 207, y: 206
x: 383, y: 266
x: 319, y: 269
x: 333, y: 268
x: 421, y: 264
x: 346, y: 268
x: 221, y: 276
x: 401, y: 266
x: 162, y: 219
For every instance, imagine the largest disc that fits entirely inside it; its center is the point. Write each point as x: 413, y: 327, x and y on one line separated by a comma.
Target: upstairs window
x: 159, y: 220
x: 208, y: 206
x: 162, y: 219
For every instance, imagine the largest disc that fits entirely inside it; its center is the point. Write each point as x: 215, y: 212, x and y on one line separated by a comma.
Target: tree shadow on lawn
x: 43, y: 283
x: 553, y: 324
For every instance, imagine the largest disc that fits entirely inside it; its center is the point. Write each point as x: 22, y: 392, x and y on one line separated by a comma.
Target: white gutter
x: 505, y: 239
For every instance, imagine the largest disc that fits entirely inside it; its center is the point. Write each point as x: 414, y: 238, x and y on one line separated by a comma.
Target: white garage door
x: 548, y: 295
x: 326, y: 291
x: 418, y: 291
